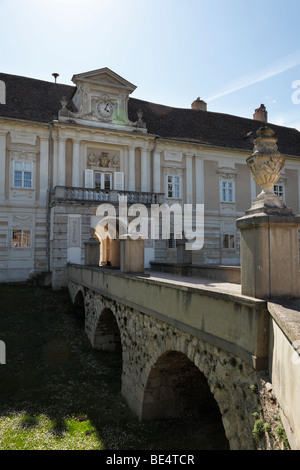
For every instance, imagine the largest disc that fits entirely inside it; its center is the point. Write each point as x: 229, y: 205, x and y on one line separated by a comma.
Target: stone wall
x: 149, y: 347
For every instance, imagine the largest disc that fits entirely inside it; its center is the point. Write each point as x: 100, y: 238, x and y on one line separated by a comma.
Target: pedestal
x: 183, y: 256
x: 132, y: 254
x: 269, y: 253
x: 92, y: 252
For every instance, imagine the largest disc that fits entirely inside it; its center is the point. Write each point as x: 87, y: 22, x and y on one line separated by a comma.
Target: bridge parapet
x: 284, y: 364
x: 228, y: 320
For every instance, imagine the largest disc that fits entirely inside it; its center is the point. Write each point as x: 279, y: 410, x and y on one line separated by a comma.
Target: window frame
x: 174, y: 185
x: 277, y: 192
x: 225, y: 191
x: 171, y: 242
x: 21, y: 245
x: 23, y: 171
x: 102, y: 180
x: 230, y: 236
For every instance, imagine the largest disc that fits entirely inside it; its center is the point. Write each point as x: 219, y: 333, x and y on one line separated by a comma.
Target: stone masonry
x: 149, y: 347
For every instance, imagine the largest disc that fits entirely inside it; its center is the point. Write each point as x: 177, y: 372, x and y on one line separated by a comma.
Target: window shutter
x: 89, y: 178
x: 119, y: 181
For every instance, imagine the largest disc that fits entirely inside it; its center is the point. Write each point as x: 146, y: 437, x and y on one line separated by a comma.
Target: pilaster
x: 2, y: 164
x: 131, y: 169
x: 76, y: 164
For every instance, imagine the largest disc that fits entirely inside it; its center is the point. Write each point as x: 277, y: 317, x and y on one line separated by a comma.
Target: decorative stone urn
x: 266, y: 164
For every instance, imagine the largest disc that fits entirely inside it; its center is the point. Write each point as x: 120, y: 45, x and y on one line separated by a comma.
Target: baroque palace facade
x: 66, y: 149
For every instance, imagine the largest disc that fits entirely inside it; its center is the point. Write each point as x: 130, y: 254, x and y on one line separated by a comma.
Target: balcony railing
x: 96, y: 196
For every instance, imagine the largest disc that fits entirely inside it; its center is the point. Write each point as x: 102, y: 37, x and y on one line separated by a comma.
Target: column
x: 199, y: 168
x: 156, y: 172
x: 44, y: 168
x: 61, y: 164
x: 144, y: 170
x: 189, y: 178
x: 2, y: 163
x: 131, y: 169
x: 76, y: 164
x: 54, y: 162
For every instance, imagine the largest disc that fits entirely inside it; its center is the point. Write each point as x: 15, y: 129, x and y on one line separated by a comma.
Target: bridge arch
x: 79, y: 306
x: 176, y: 388
x: 217, y: 376
x: 107, y: 335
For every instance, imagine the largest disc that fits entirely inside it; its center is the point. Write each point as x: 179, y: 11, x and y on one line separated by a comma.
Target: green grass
x: 57, y: 392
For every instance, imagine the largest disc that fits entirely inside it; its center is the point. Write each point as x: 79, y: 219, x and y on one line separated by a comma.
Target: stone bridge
x: 189, y: 344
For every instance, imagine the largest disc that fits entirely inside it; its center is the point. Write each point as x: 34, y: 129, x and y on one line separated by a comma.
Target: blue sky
x: 234, y: 54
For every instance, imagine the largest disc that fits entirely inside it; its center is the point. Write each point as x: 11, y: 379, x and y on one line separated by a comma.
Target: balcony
x: 67, y: 194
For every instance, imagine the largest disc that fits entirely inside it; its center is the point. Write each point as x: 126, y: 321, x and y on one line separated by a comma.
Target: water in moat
x: 52, y: 370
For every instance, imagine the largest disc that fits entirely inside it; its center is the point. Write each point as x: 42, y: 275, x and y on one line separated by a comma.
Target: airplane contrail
x: 272, y: 70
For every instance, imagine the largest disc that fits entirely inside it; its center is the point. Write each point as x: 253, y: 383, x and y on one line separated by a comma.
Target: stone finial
x: 140, y: 123
x: 63, y: 111
x: 266, y: 164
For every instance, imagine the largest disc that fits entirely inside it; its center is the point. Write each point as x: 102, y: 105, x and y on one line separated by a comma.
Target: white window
x: 279, y: 190
x: 21, y: 238
x: 227, y: 191
x: 119, y: 181
x: 102, y: 180
x: 23, y: 174
x: 174, y: 186
x: 228, y: 241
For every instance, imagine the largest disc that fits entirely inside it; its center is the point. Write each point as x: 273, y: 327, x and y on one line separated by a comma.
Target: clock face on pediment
x: 105, y: 109
x: 101, y: 97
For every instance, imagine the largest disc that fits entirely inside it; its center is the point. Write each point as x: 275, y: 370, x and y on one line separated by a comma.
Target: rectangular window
x: 21, y: 238
x: 174, y: 186
x: 171, y: 242
x: 23, y: 175
x: 227, y: 191
x: 102, y: 180
x: 228, y: 241
x: 279, y: 190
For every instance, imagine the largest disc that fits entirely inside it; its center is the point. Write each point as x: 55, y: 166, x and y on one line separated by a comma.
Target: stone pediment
x: 104, y: 78
x: 101, y: 100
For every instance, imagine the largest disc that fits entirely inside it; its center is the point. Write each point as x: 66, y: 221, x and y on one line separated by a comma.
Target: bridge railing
x: 88, y: 195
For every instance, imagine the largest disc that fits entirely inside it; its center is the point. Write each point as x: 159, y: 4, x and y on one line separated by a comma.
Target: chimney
x: 261, y: 114
x: 199, y: 105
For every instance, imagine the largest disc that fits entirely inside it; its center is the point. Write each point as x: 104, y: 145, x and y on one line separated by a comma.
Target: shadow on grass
x: 51, y: 369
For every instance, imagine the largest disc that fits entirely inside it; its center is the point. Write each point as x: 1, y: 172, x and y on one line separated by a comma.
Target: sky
x: 233, y: 54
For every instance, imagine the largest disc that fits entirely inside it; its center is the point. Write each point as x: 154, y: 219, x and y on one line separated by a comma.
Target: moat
x: 52, y: 370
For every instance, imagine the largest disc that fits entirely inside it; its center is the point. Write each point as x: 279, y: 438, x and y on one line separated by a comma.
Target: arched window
x: 2, y: 93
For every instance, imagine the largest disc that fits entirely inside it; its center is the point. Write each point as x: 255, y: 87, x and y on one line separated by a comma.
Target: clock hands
x: 105, y: 108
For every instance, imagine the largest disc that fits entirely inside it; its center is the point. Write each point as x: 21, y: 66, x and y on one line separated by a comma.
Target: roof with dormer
x: 39, y: 101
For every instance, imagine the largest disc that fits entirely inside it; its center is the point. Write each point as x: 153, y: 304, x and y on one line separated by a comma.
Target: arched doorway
x: 107, y: 334
x: 108, y: 236
x: 177, y: 392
